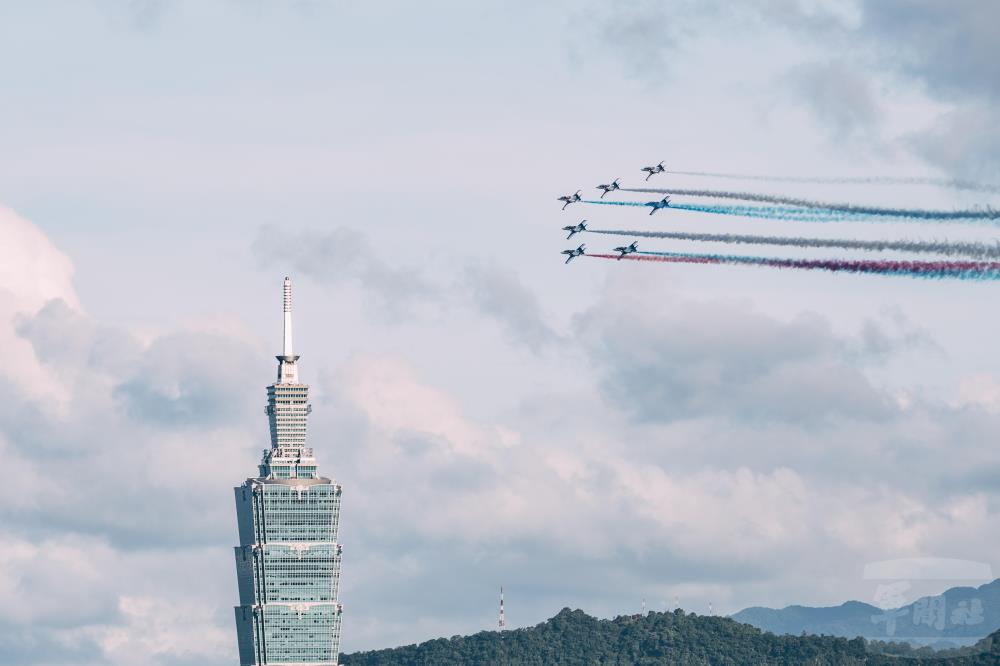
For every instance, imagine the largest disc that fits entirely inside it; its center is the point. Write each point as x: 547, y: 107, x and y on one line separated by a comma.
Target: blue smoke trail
x: 772, y: 212
x: 761, y: 212
x: 875, y: 211
x: 800, y: 213
x: 613, y: 203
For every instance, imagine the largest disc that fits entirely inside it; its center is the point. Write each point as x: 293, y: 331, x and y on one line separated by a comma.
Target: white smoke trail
x: 973, y: 250
x: 951, y: 183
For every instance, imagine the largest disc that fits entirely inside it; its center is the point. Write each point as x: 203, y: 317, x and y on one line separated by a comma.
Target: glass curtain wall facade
x: 288, y: 560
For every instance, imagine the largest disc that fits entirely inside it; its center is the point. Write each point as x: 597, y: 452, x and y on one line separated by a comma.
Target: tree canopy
x: 573, y: 637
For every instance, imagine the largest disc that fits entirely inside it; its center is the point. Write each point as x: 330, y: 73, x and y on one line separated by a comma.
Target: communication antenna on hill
x: 677, y: 601
x: 503, y: 625
x: 710, y: 608
x: 643, y: 606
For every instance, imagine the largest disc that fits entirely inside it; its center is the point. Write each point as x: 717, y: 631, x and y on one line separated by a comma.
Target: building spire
x: 287, y: 371
x: 286, y: 349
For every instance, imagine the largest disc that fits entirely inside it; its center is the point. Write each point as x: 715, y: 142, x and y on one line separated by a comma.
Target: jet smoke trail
x: 960, y: 270
x: 762, y: 212
x: 910, y: 213
x: 947, y: 248
x: 873, y: 180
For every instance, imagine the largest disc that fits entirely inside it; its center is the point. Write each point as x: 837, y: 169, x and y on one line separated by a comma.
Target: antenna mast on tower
x: 502, y: 623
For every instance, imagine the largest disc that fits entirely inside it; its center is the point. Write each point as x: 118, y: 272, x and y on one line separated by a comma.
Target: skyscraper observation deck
x: 288, y: 560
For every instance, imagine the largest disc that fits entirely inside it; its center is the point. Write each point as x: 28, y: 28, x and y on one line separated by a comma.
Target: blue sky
x: 588, y: 435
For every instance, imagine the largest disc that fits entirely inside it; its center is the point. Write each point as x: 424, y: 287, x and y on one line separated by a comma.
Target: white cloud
x: 32, y: 272
x: 183, y: 629
x: 100, y: 507
x: 982, y: 390
x: 397, y: 404
x: 60, y: 581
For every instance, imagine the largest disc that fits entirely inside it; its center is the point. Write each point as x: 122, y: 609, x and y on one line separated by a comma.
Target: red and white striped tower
x: 502, y: 624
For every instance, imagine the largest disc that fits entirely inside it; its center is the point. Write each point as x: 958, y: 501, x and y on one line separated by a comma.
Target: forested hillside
x: 573, y: 637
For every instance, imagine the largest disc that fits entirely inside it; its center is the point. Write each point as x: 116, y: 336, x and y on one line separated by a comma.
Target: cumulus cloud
x: 76, y: 599
x: 951, y: 47
x: 449, y: 500
x: 952, y: 51
x: 503, y: 297
x: 188, y: 380
x: 32, y: 272
x: 981, y: 390
x: 948, y: 51
x: 169, y: 632
x: 141, y: 15
x: 839, y: 95
x: 106, y: 483
x: 892, y: 56
x: 964, y: 141
x: 344, y: 255
x: 56, y: 581
x: 651, y: 38
x: 122, y: 418
x: 684, y: 360
x: 64, y: 339
x: 643, y: 35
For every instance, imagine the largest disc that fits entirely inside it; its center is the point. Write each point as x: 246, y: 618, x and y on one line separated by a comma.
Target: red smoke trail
x: 961, y: 270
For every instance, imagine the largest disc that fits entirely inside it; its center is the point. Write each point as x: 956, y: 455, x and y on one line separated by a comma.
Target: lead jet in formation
x: 576, y: 229
x: 627, y: 249
x: 650, y: 170
x: 609, y: 187
x: 569, y: 198
x: 573, y: 254
x: 657, y: 205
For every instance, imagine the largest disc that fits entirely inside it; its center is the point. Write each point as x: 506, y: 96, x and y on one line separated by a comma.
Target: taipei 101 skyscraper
x: 288, y: 560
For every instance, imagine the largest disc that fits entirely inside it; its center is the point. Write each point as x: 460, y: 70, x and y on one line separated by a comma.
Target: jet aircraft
x: 657, y: 205
x: 576, y: 229
x: 609, y: 187
x: 653, y: 169
x: 627, y: 249
x: 569, y: 198
x: 573, y: 254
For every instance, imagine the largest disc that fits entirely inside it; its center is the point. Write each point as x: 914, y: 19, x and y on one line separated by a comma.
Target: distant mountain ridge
x: 960, y: 615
